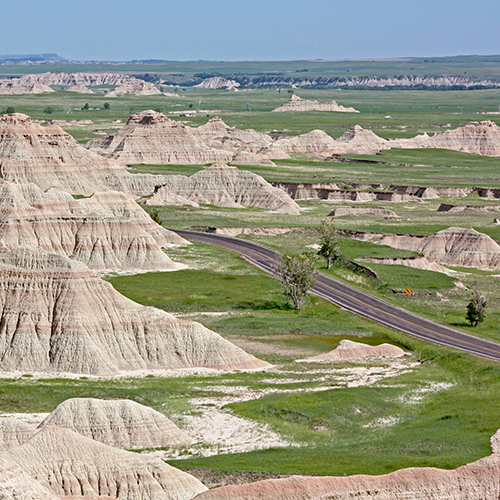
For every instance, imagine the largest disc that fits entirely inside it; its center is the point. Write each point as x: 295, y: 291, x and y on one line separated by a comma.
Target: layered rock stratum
x: 474, y: 481
x: 481, y: 138
x: 15, y: 87
x: 225, y: 186
x: 68, y: 464
x: 68, y: 79
x: 297, y: 104
x: 134, y: 87
x: 80, y: 89
x: 58, y: 316
x: 218, y: 82
x: 153, y: 138
x: 349, y: 350
x: 50, y: 158
x: 108, y: 230
x: 119, y: 423
x: 14, y: 432
x: 455, y: 246
x: 17, y: 484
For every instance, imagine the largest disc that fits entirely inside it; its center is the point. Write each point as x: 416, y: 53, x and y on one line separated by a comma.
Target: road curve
x: 355, y: 300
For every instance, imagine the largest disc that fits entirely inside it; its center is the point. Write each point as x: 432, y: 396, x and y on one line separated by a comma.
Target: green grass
x: 399, y: 423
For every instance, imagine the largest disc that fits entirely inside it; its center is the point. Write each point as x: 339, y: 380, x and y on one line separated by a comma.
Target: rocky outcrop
x: 17, y: 484
x: 216, y: 134
x: 80, y: 89
x: 356, y: 211
x: 13, y: 433
x: 152, y: 138
x: 50, y: 158
x: 57, y: 315
x: 68, y: 464
x: 15, y: 87
x: 119, y: 423
x: 454, y: 246
x: 298, y: 104
x: 476, y: 481
x: 405, y: 81
x: 223, y: 186
x: 109, y: 230
x: 367, y: 192
x: 358, y: 140
x: 69, y: 79
x: 349, y: 350
x: 218, y: 82
x: 315, y: 142
x: 467, y: 209
x: 134, y: 87
x: 481, y: 138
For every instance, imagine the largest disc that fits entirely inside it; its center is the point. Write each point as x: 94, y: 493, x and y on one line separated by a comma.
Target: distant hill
x: 31, y: 58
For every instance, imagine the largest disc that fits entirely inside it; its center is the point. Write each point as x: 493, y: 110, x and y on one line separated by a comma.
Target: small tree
x: 48, y: 110
x: 297, y: 274
x: 10, y: 109
x: 106, y: 105
x: 329, y: 245
x: 476, y: 307
x: 85, y: 106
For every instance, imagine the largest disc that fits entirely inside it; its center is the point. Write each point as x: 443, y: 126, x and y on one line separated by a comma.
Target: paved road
x: 356, y: 301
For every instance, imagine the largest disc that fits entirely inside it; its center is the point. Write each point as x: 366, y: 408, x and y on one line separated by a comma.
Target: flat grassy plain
x: 439, y: 408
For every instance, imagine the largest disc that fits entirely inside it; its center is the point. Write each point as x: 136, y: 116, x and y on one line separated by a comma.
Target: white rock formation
x: 80, y: 89
x: 218, y: 82
x: 216, y: 134
x: 454, y: 246
x: 57, y: 315
x: 223, y: 186
x: 106, y: 231
x: 315, y: 142
x: 349, y: 350
x: 120, y: 423
x: 481, y: 138
x: 15, y: 87
x: 69, y: 464
x: 62, y: 78
x: 134, y: 87
x: 358, y: 140
x: 51, y: 158
x: 14, y: 432
x: 152, y: 138
x: 298, y: 104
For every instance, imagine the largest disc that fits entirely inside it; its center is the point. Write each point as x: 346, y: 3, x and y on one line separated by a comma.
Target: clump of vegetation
x: 476, y: 307
x: 297, y: 274
x: 155, y: 215
x: 106, y: 105
x: 329, y: 246
x: 48, y: 110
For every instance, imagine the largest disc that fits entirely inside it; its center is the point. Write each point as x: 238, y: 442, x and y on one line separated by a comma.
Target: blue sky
x: 249, y: 29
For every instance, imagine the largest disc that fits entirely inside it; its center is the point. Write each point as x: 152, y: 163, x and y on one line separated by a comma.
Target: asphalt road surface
x: 354, y: 300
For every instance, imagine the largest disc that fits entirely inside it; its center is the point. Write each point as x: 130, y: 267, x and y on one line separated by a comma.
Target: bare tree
x: 476, y: 307
x: 329, y: 245
x: 297, y: 274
